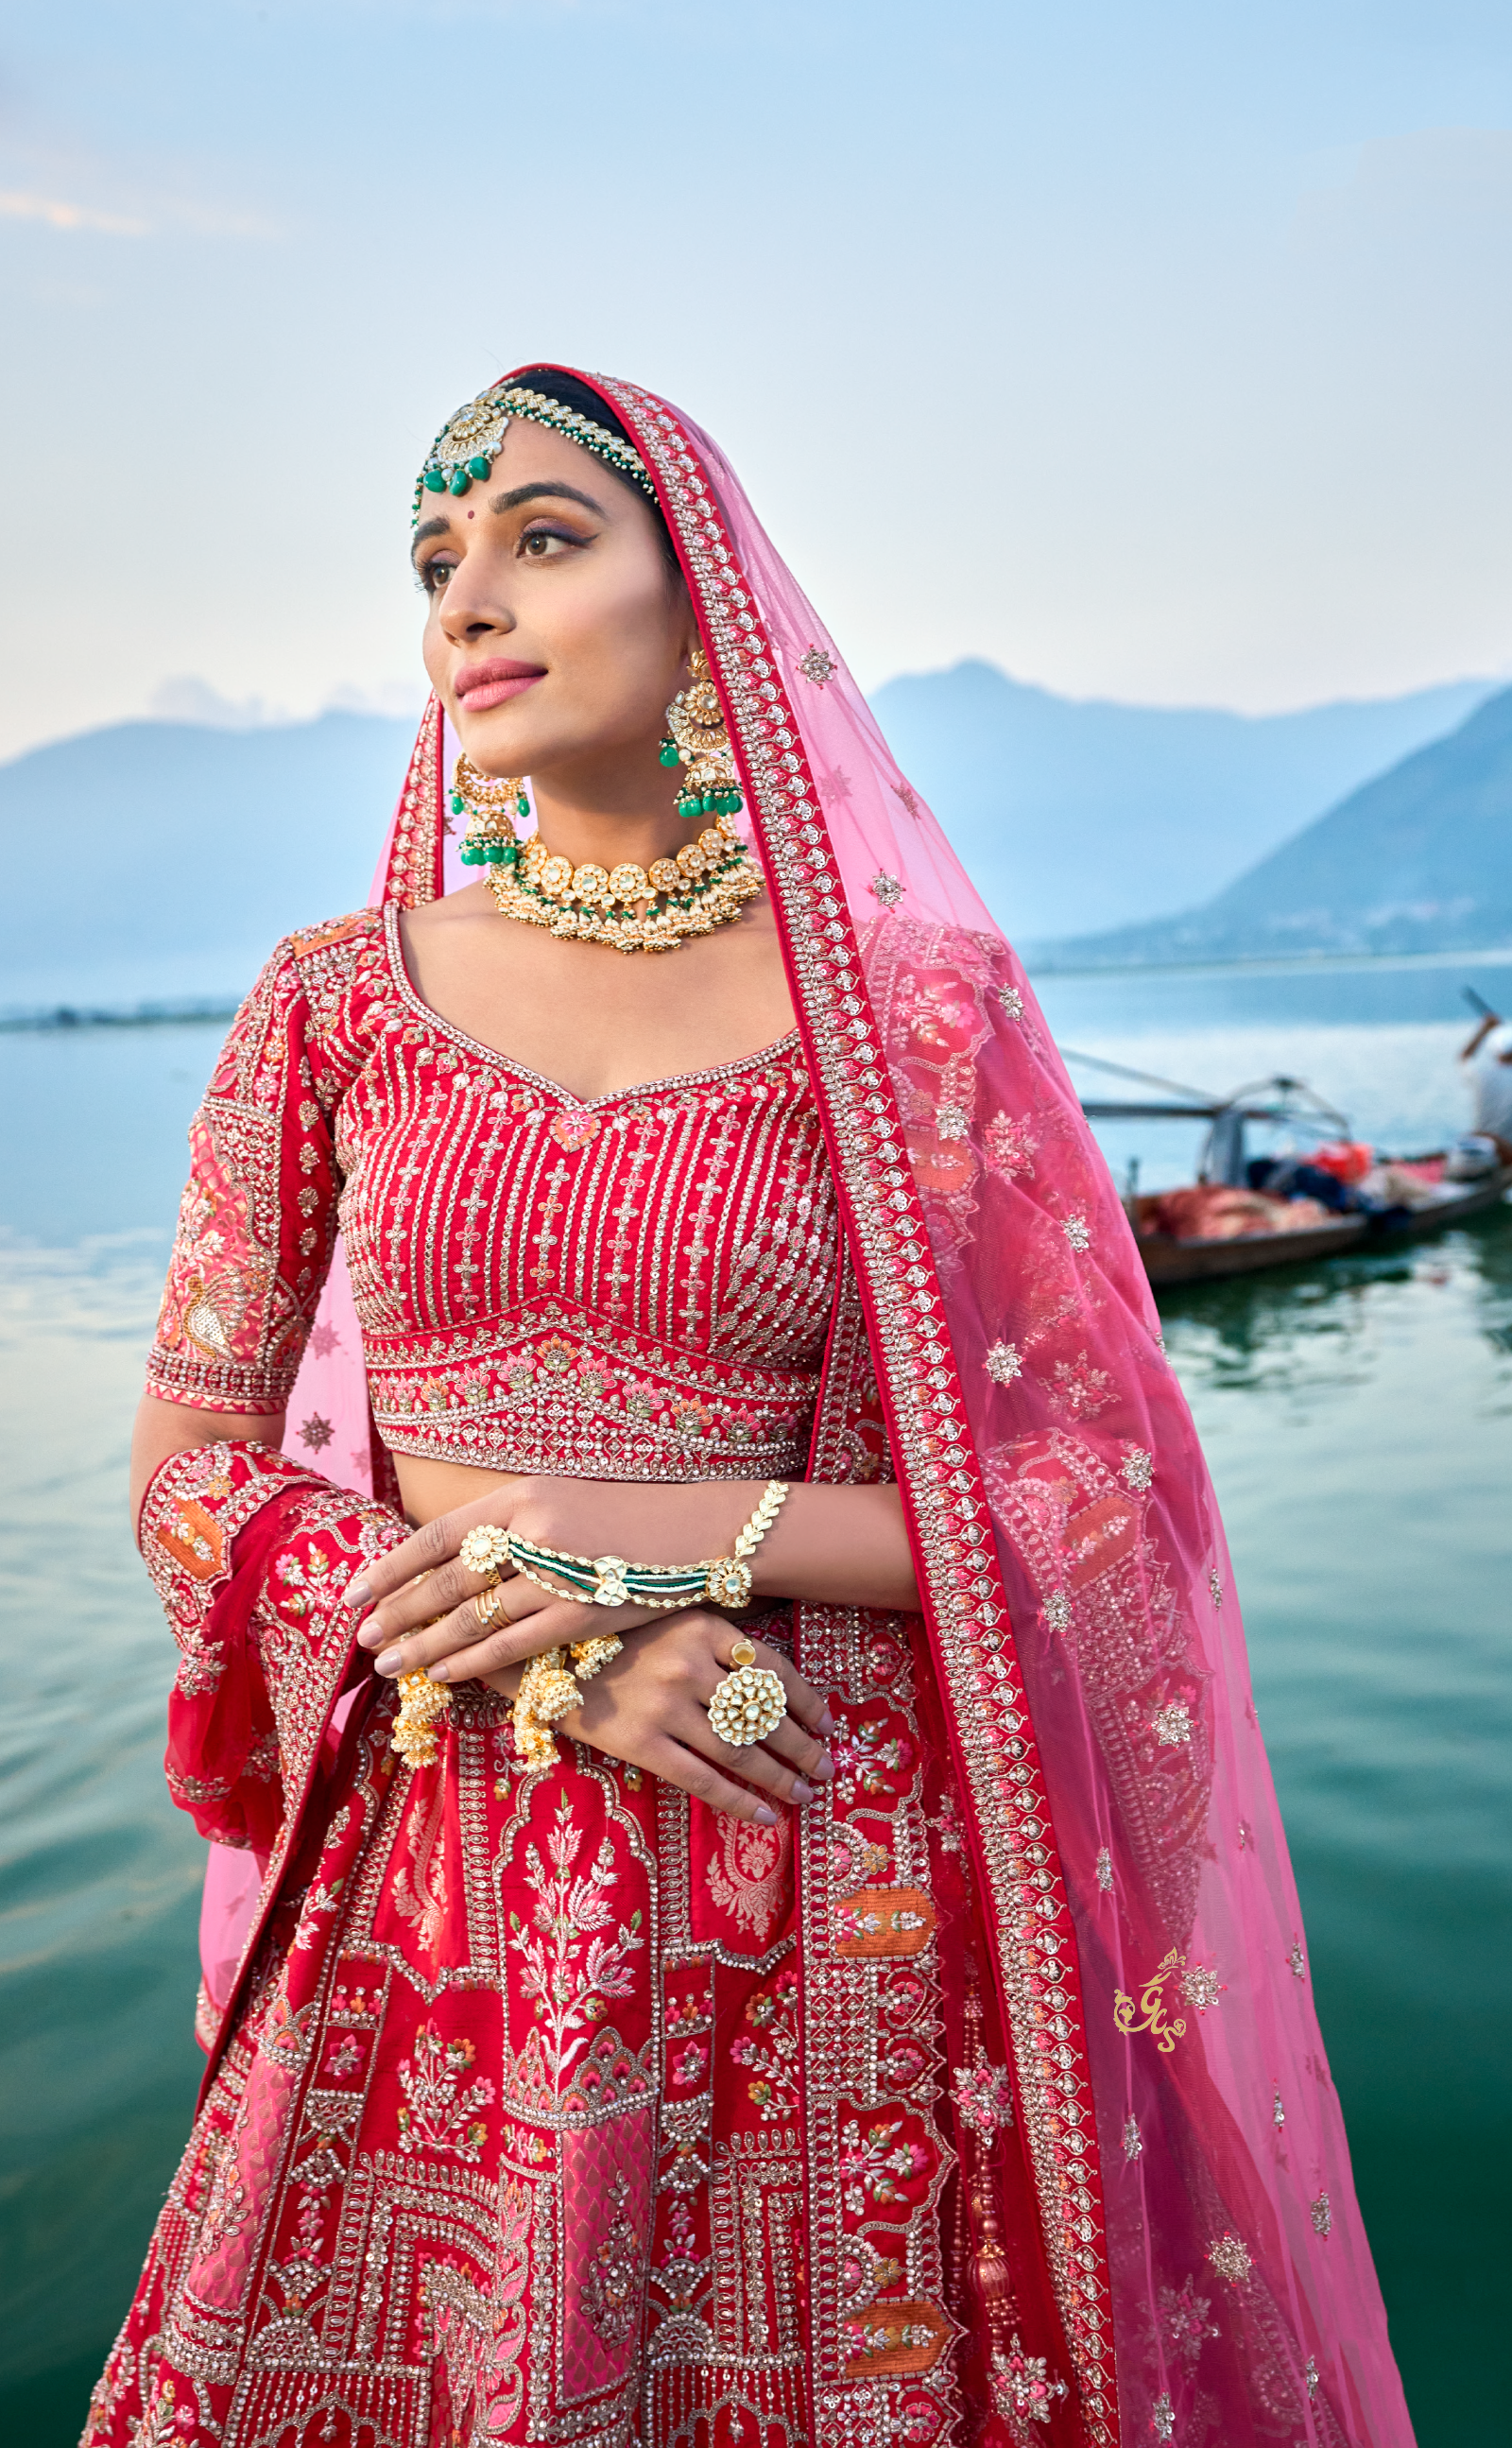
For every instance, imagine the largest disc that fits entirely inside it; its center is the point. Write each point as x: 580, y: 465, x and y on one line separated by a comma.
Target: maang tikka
x: 696, y: 737
x: 491, y: 803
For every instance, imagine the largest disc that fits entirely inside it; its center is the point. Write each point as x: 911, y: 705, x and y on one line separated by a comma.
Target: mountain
x: 1420, y: 859
x: 163, y: 860
x: 1074, y: 814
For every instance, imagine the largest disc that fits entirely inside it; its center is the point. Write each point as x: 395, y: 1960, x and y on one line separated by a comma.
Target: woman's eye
x: 543, y: 544
x: 434, y: 575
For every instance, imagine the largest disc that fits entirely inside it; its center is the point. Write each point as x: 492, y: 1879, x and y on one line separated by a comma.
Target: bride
x: 764, y: 1918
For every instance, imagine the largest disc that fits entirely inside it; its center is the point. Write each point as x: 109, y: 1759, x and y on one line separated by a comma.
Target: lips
x: 480, y: 685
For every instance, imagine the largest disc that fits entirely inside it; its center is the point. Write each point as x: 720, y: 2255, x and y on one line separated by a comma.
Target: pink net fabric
x: 1225, y: 2182
x: 1194, y: 2182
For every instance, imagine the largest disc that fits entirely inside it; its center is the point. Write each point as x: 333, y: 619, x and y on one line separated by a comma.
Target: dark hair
x: 573, y: 394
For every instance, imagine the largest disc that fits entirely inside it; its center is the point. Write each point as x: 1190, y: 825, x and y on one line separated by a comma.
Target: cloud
x: 17, y: 204
x: 190, y: 699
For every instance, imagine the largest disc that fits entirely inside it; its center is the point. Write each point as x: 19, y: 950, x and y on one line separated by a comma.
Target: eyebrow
x: 428, y: 529
x: 511, y: 501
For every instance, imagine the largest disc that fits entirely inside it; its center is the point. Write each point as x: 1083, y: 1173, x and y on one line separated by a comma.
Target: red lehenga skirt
x: 556, y: 2106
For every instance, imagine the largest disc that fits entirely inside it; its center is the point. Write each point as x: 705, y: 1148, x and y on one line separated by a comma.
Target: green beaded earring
x: 696, y: 737
x: 491, y: 803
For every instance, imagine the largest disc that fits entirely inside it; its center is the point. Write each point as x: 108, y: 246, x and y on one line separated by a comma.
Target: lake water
x: 1358, y: 1417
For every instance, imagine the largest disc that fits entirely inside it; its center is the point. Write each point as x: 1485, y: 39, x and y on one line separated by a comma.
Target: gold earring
x: 696, y: 737
x: 489, y: 802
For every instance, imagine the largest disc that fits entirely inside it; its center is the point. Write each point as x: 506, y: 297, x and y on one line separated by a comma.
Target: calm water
x: 1358, y: 1417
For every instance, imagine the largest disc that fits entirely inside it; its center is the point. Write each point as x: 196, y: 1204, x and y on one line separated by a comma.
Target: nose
x: 472, y: 609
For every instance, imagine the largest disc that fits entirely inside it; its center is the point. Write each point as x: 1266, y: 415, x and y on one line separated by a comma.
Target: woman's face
x: 556, y: 632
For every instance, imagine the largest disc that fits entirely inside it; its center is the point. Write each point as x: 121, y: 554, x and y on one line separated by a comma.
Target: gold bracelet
x: 727, y: 1581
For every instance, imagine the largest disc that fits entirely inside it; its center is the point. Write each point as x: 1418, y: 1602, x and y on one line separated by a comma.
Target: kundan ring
x: 750, y: 1702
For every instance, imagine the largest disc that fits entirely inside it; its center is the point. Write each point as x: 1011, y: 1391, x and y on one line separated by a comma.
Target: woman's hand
x: 650, y: 1707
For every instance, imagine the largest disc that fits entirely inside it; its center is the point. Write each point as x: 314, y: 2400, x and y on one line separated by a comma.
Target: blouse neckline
x: 410, y: 994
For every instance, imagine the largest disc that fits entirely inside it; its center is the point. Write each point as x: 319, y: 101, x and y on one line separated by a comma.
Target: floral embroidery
x: 1104, y: 1869
x: 909, y: 798
x: 1078, y: 1232
x: 1138, y: 1470
x: 1133, y: 2139
x: 611, y: 2292
x: 1012, y: 1002
x: 1163, y: 2415
x: 1082, y: 1389
x: 866, y: 1758
x: 440, y: 2115
x: 1003, y: 1362
x: 870, y: 2168
x: 1022, y: 2386
x: 1321, y: 2214
x: 1172, y: 1724
x: 817, y: 666
x: 1201, y: 1987
x: 1215, y: 1587
x: 1184, y: 2320
x: 316, y: 1433
x: 1229, y: 2259
x: 570, y: 1964
x: 1058, y: 1610
x: 1011, y: 1146
x: 984, y: 2095
x: 887, y: 889
x: 773, y: 2013
x: 748, y: 1877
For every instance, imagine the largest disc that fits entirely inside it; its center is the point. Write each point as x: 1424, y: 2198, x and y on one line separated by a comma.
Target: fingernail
x: 826, y: 1724
x: 371, y: 1635
x: 801, y: 1790
x: 391, y: 1661
x: 764, y: 1816
x: 359, y: 1594
x: 823, y: 1769
x: 438, y: 1674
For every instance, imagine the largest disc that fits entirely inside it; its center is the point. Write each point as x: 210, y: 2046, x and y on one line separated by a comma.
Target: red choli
x: 633, y: 1287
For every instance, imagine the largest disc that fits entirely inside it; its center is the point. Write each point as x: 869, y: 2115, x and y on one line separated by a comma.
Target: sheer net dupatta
x: 1186, y: 2148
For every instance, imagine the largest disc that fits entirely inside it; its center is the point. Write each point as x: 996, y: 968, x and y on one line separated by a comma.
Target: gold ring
x: 489, y: 1605
x: 748, y: 1705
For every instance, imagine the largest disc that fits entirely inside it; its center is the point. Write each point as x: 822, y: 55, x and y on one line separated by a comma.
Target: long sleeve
x: 258, y: 1221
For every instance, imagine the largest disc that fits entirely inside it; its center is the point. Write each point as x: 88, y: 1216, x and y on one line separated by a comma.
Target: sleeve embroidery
x: 258, y: 1221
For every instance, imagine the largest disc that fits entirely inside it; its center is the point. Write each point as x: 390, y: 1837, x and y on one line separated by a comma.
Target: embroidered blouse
x: 636, y: 1285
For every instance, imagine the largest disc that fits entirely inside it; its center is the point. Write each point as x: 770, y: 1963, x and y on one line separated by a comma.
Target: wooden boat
x: 1170, y: 1260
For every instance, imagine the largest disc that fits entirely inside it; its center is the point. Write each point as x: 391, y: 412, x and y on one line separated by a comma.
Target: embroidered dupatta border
x: 965, y: 1605
x: 413, y: 873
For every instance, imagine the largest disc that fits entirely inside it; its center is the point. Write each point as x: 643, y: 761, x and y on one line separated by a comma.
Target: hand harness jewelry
x: 548, y: 1691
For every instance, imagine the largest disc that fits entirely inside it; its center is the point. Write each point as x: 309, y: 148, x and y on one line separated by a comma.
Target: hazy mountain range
x: 160, y: 861
x: 1419, y: 859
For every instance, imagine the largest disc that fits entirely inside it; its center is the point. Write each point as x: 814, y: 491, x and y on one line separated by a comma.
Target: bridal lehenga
x: 982, y: 2100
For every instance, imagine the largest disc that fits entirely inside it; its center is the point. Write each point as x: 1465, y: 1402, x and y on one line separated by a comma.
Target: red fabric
x: 1050, y: 1888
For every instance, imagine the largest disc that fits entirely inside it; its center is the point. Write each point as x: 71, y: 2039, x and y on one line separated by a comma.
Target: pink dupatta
x: 1186, y: 2147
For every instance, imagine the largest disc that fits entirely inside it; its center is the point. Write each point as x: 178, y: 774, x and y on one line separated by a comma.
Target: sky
x: 1160, y: 353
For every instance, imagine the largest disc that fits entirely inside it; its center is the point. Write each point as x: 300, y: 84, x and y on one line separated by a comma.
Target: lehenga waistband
x: 571, y: 1396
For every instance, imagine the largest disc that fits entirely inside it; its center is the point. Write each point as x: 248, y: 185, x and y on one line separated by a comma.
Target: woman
x: 861, y: 2002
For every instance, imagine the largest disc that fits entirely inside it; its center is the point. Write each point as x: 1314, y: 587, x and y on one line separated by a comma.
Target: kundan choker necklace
x: 634, y: 908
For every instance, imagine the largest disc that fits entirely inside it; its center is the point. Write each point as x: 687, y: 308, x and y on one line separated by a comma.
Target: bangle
x: 612, y: 1581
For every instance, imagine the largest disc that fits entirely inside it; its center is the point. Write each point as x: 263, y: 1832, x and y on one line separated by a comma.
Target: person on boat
x: 1488, y: 1070
x: 703, y: 1608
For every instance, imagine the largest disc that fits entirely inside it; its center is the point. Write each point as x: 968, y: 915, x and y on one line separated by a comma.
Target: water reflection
x: 1316, y: 1323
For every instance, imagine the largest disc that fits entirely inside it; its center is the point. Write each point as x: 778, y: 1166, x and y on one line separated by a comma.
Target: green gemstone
x: 479, y: 468
x: 435, y: 480
x: 511, y: 854
x: 472, y: 854
x: 461, y: 482
x: 522, y: 805
x: 668, y: 753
